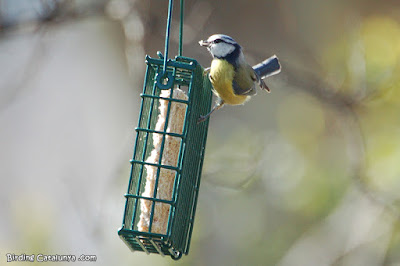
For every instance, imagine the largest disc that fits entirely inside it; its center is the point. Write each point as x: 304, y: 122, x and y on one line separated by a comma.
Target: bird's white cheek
x: 222, y: 49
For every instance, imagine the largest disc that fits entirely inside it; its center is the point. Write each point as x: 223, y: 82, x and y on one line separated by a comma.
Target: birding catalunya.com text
x: 11, y: 257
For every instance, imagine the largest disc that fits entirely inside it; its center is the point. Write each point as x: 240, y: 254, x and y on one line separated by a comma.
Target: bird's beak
x: 204, y: 43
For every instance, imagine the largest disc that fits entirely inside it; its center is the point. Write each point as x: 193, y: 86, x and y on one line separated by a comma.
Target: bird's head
x: 221, y: 46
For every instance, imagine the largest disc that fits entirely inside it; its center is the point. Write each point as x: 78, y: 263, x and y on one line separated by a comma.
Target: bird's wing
x: 240, y: 91
x: 243, y: 82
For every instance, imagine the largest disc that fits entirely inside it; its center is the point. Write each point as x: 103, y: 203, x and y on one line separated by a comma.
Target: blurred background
x: 306, y: 175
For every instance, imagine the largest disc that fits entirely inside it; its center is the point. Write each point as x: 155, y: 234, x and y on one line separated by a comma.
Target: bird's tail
x: 268, y: 67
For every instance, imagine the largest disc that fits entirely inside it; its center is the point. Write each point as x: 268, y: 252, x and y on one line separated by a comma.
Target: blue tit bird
x: 233, y: 79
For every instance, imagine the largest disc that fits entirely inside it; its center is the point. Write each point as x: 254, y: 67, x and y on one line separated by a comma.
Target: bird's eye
x: 217, y: 41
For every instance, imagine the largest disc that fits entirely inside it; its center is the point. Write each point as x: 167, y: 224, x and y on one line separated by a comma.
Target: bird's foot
x: 202, y: 118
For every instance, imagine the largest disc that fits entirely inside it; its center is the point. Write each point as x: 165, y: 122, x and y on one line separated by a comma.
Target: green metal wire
x: 170, y: 7
x: 165, y: 80
x: 181, y: 28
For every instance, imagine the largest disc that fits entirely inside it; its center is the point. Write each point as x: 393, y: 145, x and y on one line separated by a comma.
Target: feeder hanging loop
x: 164, y: 79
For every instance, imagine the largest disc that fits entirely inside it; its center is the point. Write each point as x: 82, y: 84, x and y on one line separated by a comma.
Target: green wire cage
x: 168, y: 155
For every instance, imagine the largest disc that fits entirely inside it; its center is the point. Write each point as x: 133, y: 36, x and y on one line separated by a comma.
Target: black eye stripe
x: 217, y: 41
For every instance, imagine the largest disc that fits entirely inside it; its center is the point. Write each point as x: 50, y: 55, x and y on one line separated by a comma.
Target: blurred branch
x: 310, y: 82
x: 51, y: 11
x: 344, y: 105
x: 237, y: 186
x: 364, y: 245
x: 15, y: 86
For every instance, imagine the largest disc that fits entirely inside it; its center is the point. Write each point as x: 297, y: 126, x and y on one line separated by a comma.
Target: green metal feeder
x: 168, y: 155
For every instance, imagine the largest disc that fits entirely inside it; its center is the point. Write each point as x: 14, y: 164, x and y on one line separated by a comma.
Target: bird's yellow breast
x: 222, y: 74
